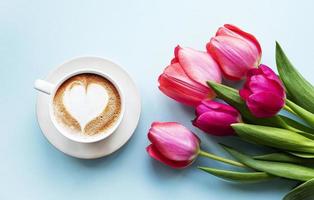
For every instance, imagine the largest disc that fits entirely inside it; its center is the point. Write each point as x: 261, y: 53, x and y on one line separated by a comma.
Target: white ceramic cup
x: 50, y: 89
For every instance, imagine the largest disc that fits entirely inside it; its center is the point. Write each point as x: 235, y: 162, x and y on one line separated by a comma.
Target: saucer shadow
x: 106, y: 160
x: 109, y: 159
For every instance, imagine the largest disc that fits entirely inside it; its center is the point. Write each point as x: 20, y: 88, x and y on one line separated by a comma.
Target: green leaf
x: 285, y: 170
x: 238, y: 176
x: 298, y: 88
x: 297, y: 127
x: 301, y: 112
x: 302, y: 155
x: 305, y: 134
x: 296, y: 124
x: 282, y: 157
x: 304, y: 191
x: 228, y: 94
x: 274, y: 137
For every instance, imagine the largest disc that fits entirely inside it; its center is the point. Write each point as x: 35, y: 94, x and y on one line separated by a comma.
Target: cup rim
x: 90, y: 139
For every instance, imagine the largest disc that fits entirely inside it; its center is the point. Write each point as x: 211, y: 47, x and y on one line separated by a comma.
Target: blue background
x: 36, y: 36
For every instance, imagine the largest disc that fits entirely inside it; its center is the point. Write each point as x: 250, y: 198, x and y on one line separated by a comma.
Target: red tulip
x: 215, y: 118
x: 172, y: 144
x: 263, y: 92
x: 184, y: 80
x: 236, y: 51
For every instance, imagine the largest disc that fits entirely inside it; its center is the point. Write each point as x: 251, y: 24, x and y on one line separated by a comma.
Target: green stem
x: 283, y: 124
x: 220, y: 159
x: 287, y: 108
x: 301, y: 112
x: 287, y: 126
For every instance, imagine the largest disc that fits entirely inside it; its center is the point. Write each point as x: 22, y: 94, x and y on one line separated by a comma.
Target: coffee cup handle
x: 43, y: 86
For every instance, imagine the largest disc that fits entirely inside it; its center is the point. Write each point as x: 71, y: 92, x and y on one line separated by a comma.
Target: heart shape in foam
x: 85, y: 102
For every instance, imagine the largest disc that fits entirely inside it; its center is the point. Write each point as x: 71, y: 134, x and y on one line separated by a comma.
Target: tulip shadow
x: 211, y: 182
x: 165, y: 172
x: 233, y: 84
x: 277, y: 185
x: 187, y: 110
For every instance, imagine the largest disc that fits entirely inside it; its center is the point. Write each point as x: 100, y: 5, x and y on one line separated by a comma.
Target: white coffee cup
x: 51, y: 89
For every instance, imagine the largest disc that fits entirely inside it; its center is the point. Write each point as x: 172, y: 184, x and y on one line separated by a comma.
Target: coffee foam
x: 87, y: 104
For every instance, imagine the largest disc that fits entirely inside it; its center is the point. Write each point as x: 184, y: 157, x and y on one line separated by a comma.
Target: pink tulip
x: 215, y: 118
x: 236, y: 51
x: 184, y: 80
x: 172, y: 144
x: 263, y: 92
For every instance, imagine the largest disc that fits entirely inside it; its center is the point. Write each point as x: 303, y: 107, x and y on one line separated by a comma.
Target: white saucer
x: 123, y: 132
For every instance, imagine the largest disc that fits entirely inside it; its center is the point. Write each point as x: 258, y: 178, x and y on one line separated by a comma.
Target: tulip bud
x: 216, y: 118
x: 263, y: 92
x: 235, y: 51
x: 172, y: 144
x: 184, y: 80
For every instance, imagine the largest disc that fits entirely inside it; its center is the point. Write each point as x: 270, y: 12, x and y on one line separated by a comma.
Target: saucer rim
x: 53, y: 76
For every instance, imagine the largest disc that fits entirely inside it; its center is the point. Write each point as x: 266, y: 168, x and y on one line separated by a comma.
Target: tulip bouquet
x: 194, y: 78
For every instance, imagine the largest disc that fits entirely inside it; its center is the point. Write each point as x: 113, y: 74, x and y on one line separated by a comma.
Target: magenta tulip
x: 173, y: 144
x: 184, y: 80
x: 215, y: 118
x: 263, y: 92
x: 236, y: 51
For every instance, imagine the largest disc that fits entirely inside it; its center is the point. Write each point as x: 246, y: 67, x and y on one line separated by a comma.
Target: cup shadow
x: 103, y: 161
x: 110, y: 159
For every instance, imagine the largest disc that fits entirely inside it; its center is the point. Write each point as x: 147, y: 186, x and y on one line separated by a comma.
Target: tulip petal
x: 215, y: 118
x: 209, y: 105
x: 223, y: 31
x: 198, y: 65
x: 154, y: 153
x: 263, y: 92
x: 245, y: 93
x: 260, y: 83
x: 246, y: 35
x: 174, y: 60
x: 216, y: 123
x: 201, y: 108
x: 269, y: 73
x: 174, y: 141
x: 253, y: 71
x: 234, y: 56
x: 236, y: 51
x: 217, y: 106
x: 265, y: 104
x: 175, y: 84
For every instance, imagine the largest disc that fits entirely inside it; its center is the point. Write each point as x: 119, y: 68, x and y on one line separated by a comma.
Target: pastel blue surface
x: 36, y: 36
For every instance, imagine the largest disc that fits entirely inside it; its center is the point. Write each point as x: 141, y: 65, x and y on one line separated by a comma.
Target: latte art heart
x: 85, y: 103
